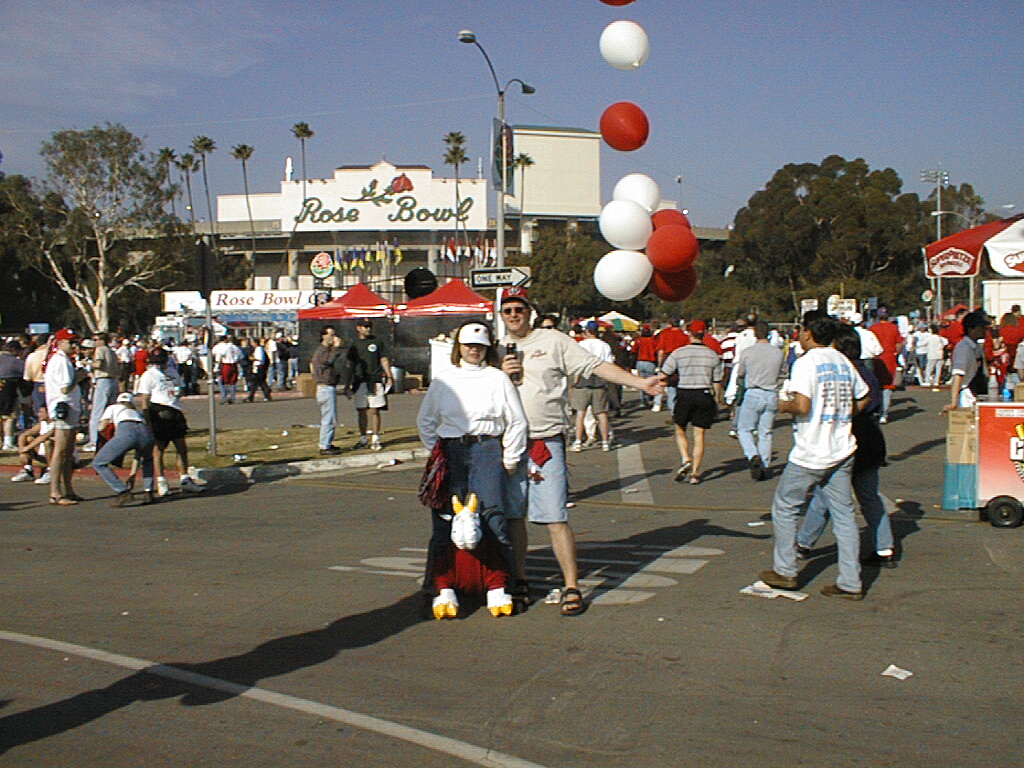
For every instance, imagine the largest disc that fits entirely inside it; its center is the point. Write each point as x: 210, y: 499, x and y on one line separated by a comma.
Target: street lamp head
x: 528, y: 89
x: 467, y: 36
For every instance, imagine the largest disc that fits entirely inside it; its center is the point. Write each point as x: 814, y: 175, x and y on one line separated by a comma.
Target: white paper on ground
x: 760, y: 589
x: 900, y: 674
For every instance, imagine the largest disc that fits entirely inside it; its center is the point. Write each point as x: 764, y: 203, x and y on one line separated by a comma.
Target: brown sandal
x: 62, y: 501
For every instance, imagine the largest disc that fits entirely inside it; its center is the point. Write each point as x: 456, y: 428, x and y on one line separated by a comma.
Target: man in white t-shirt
x: 823, y: 393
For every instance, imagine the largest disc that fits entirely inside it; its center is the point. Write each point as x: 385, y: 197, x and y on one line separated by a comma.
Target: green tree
x: 167, y: 157
x: 242, y: 153
x: 303, y: 132
x: 98, y: 227
x: 455, y: 156
x: 203, y: 146
x: 33, y: 297
x: 837, y: 227
x: 522, y: 161
x: 562, y: 265
x: 188, y: 165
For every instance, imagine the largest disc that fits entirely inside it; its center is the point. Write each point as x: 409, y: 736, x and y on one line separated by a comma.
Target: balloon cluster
x: 656, y: 249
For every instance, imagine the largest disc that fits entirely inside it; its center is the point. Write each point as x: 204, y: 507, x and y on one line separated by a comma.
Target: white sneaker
x: 44, y: 479
x: 88, y: 448
x: 375, y: 444
x: 24, y: 476
x: 9, y: 446
x: 188, y: 485
x: 162, y: 488
x: 364, y: 441
x: 883, y: 419
x: 656, y: 407
x: 576, y: 447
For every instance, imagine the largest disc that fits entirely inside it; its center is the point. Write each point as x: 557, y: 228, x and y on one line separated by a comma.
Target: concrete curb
x: 269, y: 472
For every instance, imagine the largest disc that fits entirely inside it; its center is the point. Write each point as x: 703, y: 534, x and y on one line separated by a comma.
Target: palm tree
x: 166, y: 158
x: 302, y: 131
x: 456, y: 156
x: 203, y: 146
x: 188, y: 165
x: 243, y: 152
x: 522, y: 161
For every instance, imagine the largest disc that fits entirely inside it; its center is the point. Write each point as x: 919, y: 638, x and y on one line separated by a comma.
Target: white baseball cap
x: 124, y: 397
x: 474, y: 333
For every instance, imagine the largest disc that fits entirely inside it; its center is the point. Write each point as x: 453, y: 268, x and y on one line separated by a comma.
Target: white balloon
x: 640, y: 188
x: 621, y: 275
x: 624, y: 45
x: 626, y: 225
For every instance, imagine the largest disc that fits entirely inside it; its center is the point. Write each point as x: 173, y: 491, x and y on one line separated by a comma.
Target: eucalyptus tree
x: 97, y: 226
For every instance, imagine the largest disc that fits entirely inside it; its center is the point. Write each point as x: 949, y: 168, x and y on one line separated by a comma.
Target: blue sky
x: 733, y: 89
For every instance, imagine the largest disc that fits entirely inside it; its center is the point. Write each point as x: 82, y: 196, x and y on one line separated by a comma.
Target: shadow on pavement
x: 276, y: 657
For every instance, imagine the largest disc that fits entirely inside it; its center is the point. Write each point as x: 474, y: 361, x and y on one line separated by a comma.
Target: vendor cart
x: 985, y: 462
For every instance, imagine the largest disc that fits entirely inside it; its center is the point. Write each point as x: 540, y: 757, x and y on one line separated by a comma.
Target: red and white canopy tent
x: 960, y: 254
x: 452, y: 298
x: 357, y: 301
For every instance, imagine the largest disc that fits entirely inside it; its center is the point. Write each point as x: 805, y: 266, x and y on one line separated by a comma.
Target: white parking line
x: 459, y: 749
x: 631, y: 465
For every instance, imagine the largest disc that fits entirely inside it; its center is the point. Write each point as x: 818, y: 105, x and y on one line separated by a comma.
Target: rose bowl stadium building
x: 377, y: 222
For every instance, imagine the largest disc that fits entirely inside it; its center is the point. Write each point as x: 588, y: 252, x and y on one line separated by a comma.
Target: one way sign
x: 500, y: 277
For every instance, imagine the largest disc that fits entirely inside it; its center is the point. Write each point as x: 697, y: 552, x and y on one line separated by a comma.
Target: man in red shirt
x: 888, y: 334
x: 140, y: 360
x: 645, y: 350
x: 669, y: 338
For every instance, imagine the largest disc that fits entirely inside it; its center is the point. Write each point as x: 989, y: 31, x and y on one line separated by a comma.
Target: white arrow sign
x: 499, y: 277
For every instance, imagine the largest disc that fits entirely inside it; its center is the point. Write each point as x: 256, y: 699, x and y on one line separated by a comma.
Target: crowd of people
x: 835, y: 377
x: 510, y: 410
x: 63, y: 396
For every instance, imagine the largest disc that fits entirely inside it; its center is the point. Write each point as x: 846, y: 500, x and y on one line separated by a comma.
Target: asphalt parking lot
x: 278, y: 623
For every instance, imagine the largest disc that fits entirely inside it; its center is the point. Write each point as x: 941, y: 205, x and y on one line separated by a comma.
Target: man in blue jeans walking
x: 823, y: 393
x: 323, y: 366
x: 760, y: 367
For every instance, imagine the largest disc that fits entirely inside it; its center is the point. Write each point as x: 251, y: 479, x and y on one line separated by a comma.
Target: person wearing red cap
x: 699, y: 370
x: 542, y: 364
x: 63, y: 403
x: 645, y: 350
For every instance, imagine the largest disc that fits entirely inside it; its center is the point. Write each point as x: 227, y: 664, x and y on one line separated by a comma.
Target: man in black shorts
x: 700, y: 372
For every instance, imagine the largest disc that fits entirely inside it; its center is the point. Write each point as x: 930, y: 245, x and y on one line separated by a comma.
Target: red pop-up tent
x: 357, y: 301
x: 453, y: 298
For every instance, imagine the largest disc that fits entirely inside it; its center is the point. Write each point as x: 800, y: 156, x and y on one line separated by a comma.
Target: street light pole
x: 939, y: 178
x: 468, y: 36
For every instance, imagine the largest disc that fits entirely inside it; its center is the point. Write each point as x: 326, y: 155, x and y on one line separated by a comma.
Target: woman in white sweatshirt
x: 475, y: 409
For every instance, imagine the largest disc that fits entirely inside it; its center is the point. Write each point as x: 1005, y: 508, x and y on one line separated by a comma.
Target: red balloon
x: 672, y: 248
x: 616, y: 2
x: 673, y: 286
x: 669, y: 216
x: 624, y: 126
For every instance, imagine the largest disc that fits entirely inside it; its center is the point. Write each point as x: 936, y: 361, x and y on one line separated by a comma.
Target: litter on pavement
x: 900, y: 674
x: 760, y: 589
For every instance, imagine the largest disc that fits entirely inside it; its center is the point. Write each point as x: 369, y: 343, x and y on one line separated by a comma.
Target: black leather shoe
x: 332, y: 451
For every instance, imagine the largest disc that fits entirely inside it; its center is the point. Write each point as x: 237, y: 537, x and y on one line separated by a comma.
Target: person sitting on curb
x: 35, y: 444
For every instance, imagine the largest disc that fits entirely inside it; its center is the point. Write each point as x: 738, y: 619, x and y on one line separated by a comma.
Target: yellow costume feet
x: 446, y: 605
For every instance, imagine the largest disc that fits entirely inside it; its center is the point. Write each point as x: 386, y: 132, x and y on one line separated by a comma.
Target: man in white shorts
x: 368, y: 377
x: 541, y: 364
